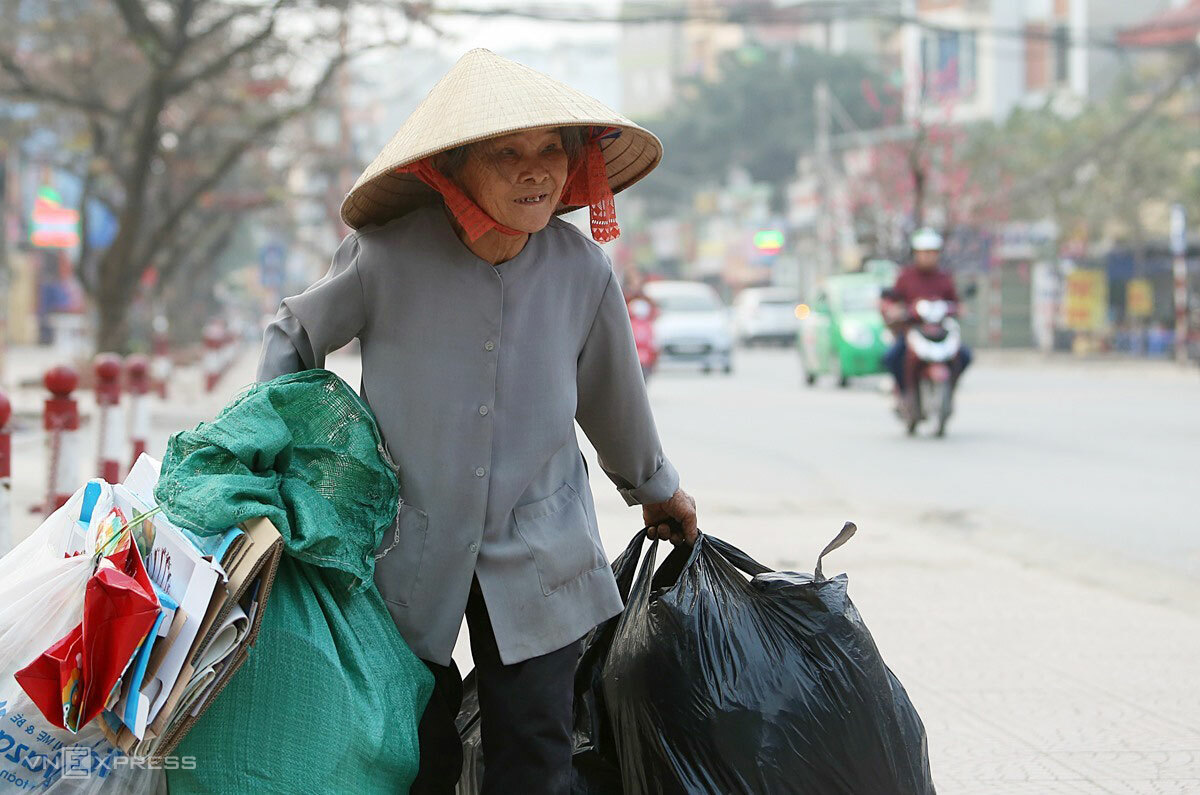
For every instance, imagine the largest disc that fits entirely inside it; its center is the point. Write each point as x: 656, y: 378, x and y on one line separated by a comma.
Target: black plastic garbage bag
x: 719, y: 683
x: 712, y: 681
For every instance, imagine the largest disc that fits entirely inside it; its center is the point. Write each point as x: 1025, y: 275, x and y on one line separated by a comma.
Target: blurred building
x: 866, y: 28
x: 656, y: 57
x: 976, y: 60
x: 650, y: 60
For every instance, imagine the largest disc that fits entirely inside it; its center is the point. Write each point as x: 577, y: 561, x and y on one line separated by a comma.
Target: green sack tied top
x: 304, y: 451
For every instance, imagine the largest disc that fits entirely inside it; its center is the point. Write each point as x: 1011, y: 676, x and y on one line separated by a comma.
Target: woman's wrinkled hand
x: 682, y: 508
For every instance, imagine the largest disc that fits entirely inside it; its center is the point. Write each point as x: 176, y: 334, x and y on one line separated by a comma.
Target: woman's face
x: 517, y: 179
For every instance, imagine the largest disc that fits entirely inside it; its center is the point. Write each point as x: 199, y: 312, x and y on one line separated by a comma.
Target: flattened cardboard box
x: 257, y: 565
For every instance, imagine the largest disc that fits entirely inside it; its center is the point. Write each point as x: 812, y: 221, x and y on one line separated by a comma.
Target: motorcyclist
x: 643, y: 311
x: 922, y: 279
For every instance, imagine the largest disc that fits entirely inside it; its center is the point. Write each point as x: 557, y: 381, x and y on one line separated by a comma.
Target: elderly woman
x: 488, y: 328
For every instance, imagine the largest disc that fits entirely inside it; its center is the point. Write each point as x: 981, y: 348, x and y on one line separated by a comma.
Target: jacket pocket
x: 399, y: 564
x: 559, y: 537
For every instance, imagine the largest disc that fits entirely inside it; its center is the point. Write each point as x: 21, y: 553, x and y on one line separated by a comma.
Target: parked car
x: 693, y: 326
x: 843, y: 334
x: 765, y: 314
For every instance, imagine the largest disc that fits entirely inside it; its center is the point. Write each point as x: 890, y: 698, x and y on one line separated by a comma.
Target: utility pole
x: 824, y: 182
x: 5, y: 272
x: 1179, y: 250
x: 823, y: 149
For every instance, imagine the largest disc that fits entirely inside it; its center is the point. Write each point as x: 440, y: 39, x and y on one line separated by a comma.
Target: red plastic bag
x: 72, y: 680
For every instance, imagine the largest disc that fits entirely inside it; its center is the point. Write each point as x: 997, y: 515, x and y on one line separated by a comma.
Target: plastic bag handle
x: 626, y: 564
x: 736, y: 556
x: 847, y: 532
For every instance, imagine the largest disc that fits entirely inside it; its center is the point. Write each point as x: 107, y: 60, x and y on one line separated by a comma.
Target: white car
x: 766, y: 314
x: 693, y: 326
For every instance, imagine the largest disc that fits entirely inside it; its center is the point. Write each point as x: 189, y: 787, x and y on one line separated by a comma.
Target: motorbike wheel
x: 946, y: 407
x: 842, y: 379
x: 912, y: 411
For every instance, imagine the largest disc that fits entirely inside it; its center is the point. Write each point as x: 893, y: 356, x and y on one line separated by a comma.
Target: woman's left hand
x: 681, y: 507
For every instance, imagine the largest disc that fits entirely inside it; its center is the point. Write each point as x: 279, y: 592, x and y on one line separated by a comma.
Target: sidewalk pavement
x: 1028, y: 681
x: 187, y: 404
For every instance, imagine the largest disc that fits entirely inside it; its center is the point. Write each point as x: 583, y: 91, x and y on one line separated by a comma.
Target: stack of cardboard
x: 213, y: 592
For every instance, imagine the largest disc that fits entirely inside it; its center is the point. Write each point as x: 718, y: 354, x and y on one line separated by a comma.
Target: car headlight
x: 857, y: 335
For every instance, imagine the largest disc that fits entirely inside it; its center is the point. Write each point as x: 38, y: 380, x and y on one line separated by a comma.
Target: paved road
x: 1095, y: 456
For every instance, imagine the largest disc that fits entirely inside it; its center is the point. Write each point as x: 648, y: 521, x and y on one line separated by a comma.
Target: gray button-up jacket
x: 477, y: 374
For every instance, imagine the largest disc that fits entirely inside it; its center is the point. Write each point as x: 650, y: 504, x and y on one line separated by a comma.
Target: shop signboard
x: 1139, y: 298
x: 1085, y: 300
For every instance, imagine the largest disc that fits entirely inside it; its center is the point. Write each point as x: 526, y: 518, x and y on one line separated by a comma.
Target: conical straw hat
x: 485, y: 96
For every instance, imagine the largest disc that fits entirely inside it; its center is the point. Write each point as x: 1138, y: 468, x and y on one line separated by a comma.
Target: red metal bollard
x: 137, y: 370
x: 61, y: 422
x: 108, y: 402
x: 160, y: 365
x: 214, y: 338
x: 5, y: 476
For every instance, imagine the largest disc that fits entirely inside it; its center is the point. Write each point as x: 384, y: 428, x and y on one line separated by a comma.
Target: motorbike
x: 641, y: 317
x: 933, y: 342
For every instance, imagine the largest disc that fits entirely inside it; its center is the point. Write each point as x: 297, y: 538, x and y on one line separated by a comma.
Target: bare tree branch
x: 1069, y: 165
x: 25, y: 88
x: 221, y: 24
x: 230, y: 158
x: 149, y: 39
x: 83, y: 260
x: 192, y: 248
x: 223, y: 62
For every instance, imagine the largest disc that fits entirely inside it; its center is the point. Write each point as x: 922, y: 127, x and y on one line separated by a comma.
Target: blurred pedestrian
x: 488, y: 327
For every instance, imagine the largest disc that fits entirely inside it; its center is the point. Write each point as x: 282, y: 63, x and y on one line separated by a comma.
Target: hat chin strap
x: 475, y: 222
x: 587, y: 186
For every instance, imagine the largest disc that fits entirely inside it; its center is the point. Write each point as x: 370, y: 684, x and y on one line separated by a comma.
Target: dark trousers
x: 525, y: 712
x: 893, y: 360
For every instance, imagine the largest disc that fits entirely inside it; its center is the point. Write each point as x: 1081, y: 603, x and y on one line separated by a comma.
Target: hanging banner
x: 54, y: 226
x: 1139, y: 298
x: 1085, y: 303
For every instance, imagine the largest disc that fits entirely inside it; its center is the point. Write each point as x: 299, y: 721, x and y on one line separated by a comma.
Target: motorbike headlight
x: 857, y: 334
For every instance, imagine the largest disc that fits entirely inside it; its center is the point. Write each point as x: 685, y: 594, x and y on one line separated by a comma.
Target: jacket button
x: 489, y: 345
x: 483, y: 410
x: 474, y: 548
x: 480, y: 472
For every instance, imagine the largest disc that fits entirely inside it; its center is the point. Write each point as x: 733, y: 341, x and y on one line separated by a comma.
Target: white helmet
x: 926, y: 239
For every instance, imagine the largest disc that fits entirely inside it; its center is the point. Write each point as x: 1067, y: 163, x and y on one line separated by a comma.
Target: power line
x: 811, y: 13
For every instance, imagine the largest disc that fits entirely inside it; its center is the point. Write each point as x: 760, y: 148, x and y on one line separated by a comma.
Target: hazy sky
x: 508, y: 33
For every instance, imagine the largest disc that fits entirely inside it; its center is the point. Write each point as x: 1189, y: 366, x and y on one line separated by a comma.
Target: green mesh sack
x: 330, y: 697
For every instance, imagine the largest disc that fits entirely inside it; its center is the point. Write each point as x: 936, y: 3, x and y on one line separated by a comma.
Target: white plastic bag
x: 41, y: 600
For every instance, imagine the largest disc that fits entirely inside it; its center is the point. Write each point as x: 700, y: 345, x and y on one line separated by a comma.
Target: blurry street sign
x: 271, y: 260
x: 54, y: 226
x: 768, y: 241
x: 1178, y: 230
x: 1086, y: 300
x: 1139, y: 298
x: 102, y: 226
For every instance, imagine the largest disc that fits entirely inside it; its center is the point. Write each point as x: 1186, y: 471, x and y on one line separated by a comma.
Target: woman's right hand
x: 682, y: 508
